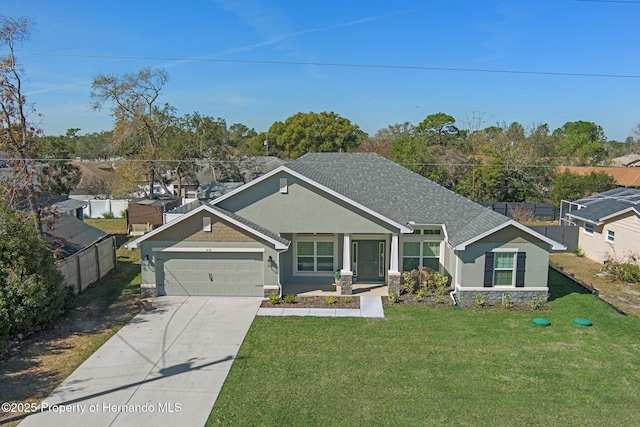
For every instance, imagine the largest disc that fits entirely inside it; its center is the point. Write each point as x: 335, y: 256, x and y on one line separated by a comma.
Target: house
x: 628, y: 161
x: 145, y: 214
x: 359, y: 214
x: 624, y: 176
x: 609, y: 223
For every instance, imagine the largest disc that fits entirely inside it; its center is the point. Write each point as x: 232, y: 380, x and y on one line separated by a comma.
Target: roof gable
x: 254, y: 229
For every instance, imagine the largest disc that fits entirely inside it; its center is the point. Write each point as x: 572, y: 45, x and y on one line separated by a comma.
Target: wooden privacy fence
x: 565, y: 234
x: 89, y: 265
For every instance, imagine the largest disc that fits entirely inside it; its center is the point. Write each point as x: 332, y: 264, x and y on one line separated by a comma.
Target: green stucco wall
x: 303, y: 209
x: 537, y: 262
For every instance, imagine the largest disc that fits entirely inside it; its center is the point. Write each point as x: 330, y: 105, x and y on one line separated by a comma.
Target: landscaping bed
x: 316, y: 302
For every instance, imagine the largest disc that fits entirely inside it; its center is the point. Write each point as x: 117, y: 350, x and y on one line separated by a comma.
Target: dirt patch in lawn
x: 625, y: 296
x: 316, y: 302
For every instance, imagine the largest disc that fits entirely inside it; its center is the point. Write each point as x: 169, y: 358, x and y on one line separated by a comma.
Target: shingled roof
x: 397, y: 193
x: 599, y: 207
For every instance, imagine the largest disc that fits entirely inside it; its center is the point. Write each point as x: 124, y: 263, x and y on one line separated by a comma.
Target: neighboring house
x: 628, y: 161
x: 357, y: 213
x: 624, y: 176
x: 144, y: 215
x: 609, y: 223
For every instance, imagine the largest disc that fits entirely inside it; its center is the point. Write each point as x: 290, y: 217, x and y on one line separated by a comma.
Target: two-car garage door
x: 214, y: 274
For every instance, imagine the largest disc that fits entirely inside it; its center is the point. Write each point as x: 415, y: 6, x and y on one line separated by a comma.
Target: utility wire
x: 340, y: 64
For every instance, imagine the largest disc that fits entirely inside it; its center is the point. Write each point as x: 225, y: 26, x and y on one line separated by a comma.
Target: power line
x: 343, y: 64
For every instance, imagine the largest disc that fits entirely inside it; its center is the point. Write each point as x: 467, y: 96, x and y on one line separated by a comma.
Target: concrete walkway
x: 164, y: 368
x: 370, y: 306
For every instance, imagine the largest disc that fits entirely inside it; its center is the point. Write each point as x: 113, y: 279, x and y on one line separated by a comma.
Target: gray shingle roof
x: 608, y: 203
x: 397, y: 193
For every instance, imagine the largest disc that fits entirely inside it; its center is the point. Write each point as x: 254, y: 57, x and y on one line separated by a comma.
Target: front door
x: 370, y: 260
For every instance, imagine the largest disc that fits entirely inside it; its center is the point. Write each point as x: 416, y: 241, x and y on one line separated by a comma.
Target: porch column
x: 394, y: 273
x: 346, y: 274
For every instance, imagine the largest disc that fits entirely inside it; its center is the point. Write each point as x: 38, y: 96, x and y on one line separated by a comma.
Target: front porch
x: 329, y: 289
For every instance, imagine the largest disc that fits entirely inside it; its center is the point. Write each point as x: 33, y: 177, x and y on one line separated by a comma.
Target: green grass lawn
x: 428, y: 366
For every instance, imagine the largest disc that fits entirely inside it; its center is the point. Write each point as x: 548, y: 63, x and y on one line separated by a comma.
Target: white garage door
x: 215, y: 274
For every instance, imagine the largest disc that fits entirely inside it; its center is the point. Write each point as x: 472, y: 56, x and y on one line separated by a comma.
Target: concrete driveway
x: 164, y: 368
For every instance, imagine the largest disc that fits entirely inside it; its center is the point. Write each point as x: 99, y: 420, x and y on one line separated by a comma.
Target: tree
x: 31, y: 292
x: 18, y: 138
x: 140, y: 121
x: 380, y: 143
x: 581, y: 143
x: 437, y: 128
x: 571, y: 186
x: 314, y: 132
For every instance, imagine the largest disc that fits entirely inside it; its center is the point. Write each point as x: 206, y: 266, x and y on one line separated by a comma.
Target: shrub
x: 481, y: 299
x: 506, y: 301
x: 626, y: 270
x: 578, y: 252
x: 107, y: 215
x: 347, y: 300
x: 330, y: 299
x: 393, y: 297
x: 537, y: 303
x: 289, y: 299
x: 273, y: 299
x: 423, y: 293
x: 410, y: 287
x: 32, y: 294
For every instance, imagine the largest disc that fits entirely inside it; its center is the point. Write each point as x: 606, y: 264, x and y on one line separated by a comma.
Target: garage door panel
x: 224, y: 274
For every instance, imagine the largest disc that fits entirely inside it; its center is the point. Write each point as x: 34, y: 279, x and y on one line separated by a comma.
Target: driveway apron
x: 164, y: 368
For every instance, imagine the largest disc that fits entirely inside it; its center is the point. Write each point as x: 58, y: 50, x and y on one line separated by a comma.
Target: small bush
x: 537, y: 303
x: 107, y: 215
x: 330, y: 299
x: 626, y: 270
x: 410, y: 287
x: 423, y: 293
x: 481, y: 299
x: 393, y: 297
x: 347, y: 300
x: 289, y: 299
x: 273, y: 299
x: 506, y: 301
x: 417, y: 298
x: 578, y: 252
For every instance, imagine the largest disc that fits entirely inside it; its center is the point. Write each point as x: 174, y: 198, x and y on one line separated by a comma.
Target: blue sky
x: 82, y: 38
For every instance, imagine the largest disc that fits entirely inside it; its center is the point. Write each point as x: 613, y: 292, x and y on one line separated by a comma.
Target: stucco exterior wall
x: 302, y: 209
x: 472, y: 259
x: 627, y: 238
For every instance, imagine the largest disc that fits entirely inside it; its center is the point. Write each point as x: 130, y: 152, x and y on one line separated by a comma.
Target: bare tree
x: 18, y: 136
x: 139, y: 119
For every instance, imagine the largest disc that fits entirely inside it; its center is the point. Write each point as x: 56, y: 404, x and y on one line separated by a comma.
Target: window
x: 588, y: 228
x: 415, y: 254
x: 504, y: 268
x: 284, y: 187
x: 429, y: 232
x: 611, y: 236
x: 314, y: 256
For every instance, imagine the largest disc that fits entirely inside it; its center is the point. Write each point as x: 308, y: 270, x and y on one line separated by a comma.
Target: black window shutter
x: 520, y: 268
x: 488, y: 269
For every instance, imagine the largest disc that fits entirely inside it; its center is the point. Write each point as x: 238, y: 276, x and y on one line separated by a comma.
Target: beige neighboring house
x: 609, y: 223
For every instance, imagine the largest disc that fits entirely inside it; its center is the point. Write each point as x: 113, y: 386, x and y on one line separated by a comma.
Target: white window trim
x: 606, y: 236
x: 587, y: 232
x: 514, y: 251
x: 315, y: 238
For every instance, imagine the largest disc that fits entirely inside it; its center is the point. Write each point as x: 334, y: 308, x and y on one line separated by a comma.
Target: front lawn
x: 439, y: 366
